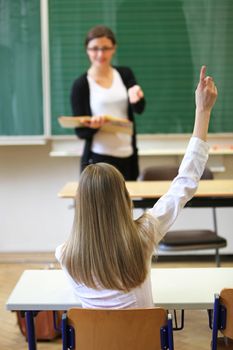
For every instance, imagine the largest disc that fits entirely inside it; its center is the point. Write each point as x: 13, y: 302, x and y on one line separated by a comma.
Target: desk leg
x: 30, y: 330
x: 178, y: 328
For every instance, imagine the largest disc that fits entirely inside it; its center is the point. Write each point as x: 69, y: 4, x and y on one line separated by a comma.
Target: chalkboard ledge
x: 148, y: 145
x: 22, y: 140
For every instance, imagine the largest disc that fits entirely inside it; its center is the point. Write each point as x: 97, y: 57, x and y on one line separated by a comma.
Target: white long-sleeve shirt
x: 164, y: 214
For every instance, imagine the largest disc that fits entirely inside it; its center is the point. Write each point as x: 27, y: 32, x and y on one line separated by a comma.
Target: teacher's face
x: 100, y: 51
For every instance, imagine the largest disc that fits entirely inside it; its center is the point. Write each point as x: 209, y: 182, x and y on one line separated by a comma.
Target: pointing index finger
x: 202, y: 74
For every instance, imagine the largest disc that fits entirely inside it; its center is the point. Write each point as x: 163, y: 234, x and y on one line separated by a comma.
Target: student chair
x: 107, y: 329
x: 185, y: 240
x: 223, y: 320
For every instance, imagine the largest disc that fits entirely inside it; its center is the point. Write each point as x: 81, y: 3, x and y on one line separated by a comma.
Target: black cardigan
x: 80, y: 102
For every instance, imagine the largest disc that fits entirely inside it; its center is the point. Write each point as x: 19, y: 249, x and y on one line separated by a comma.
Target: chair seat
x: 224, y: 344
x: 192, y: 239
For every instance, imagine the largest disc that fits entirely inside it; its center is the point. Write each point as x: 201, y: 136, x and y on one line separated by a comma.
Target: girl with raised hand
x: 107, y: 257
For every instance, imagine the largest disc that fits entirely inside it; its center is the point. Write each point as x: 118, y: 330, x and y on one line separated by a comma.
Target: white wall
x: 33, y: 218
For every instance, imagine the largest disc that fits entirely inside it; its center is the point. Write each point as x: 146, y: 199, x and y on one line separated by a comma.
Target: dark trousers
x: 124, y: 165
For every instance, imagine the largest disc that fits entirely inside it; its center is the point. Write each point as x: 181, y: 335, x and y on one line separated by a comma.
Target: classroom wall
x: 33, y: 218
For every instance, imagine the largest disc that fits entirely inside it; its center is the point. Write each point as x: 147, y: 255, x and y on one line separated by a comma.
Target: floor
x: 196, y: 334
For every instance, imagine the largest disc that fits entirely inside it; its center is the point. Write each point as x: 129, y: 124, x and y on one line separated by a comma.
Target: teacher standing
x: 107, y: 90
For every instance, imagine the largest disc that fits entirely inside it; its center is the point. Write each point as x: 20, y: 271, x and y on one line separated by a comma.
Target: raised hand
x: 206, y: 92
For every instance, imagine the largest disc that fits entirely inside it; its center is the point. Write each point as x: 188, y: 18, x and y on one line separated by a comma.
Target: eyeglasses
x: 95, y: 49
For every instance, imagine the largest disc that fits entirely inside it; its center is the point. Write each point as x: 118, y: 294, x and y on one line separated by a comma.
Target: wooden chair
x: 185, y: 240
x: 223, y: 320
x: 107, y: 329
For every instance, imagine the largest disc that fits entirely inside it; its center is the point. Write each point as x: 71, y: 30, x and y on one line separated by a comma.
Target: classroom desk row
x: 173, y: 288
x: 210, y: 193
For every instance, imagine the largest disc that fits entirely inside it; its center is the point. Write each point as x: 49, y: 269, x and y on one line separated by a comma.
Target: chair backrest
x: 98, y: 329
x: 159, y: 173
x: 226, y: 299
x: 207, y: 174
x: 168, y: 172
x: 223, y: 315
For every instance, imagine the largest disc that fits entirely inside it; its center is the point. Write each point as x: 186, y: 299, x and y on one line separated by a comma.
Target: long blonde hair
x: 106, y: 248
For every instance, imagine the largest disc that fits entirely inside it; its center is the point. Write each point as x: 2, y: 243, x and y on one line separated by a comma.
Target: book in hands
x: 112, y: 124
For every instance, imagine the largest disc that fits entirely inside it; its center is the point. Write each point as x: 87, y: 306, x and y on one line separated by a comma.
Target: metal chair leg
x: 217, y: 258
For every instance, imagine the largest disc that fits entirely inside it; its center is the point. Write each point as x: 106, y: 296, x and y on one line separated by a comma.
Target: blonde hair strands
x: 106, y: 248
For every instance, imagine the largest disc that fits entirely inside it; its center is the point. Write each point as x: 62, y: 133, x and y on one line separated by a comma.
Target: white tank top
x: 110, y: 101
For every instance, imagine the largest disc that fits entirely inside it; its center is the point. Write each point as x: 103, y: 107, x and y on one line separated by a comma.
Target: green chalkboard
x: 164, y: 41
x: 21, y: 111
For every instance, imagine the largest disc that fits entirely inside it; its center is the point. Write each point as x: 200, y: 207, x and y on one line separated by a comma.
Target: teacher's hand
x: 135, y: 94
x: 95, y: 122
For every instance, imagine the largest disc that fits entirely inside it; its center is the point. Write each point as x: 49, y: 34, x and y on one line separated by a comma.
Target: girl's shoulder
x: 59, y: 252
x: 147, y: 226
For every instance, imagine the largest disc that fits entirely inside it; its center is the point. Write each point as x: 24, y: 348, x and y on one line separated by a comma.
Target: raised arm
x: 183, y: 187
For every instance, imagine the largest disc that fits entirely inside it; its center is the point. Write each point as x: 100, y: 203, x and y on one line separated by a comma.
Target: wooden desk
x: 210, y: 193
x: 171, y: 288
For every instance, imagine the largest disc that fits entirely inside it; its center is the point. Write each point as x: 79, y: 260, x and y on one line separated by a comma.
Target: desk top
x: 155, y: 189
x: 179, y: 288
